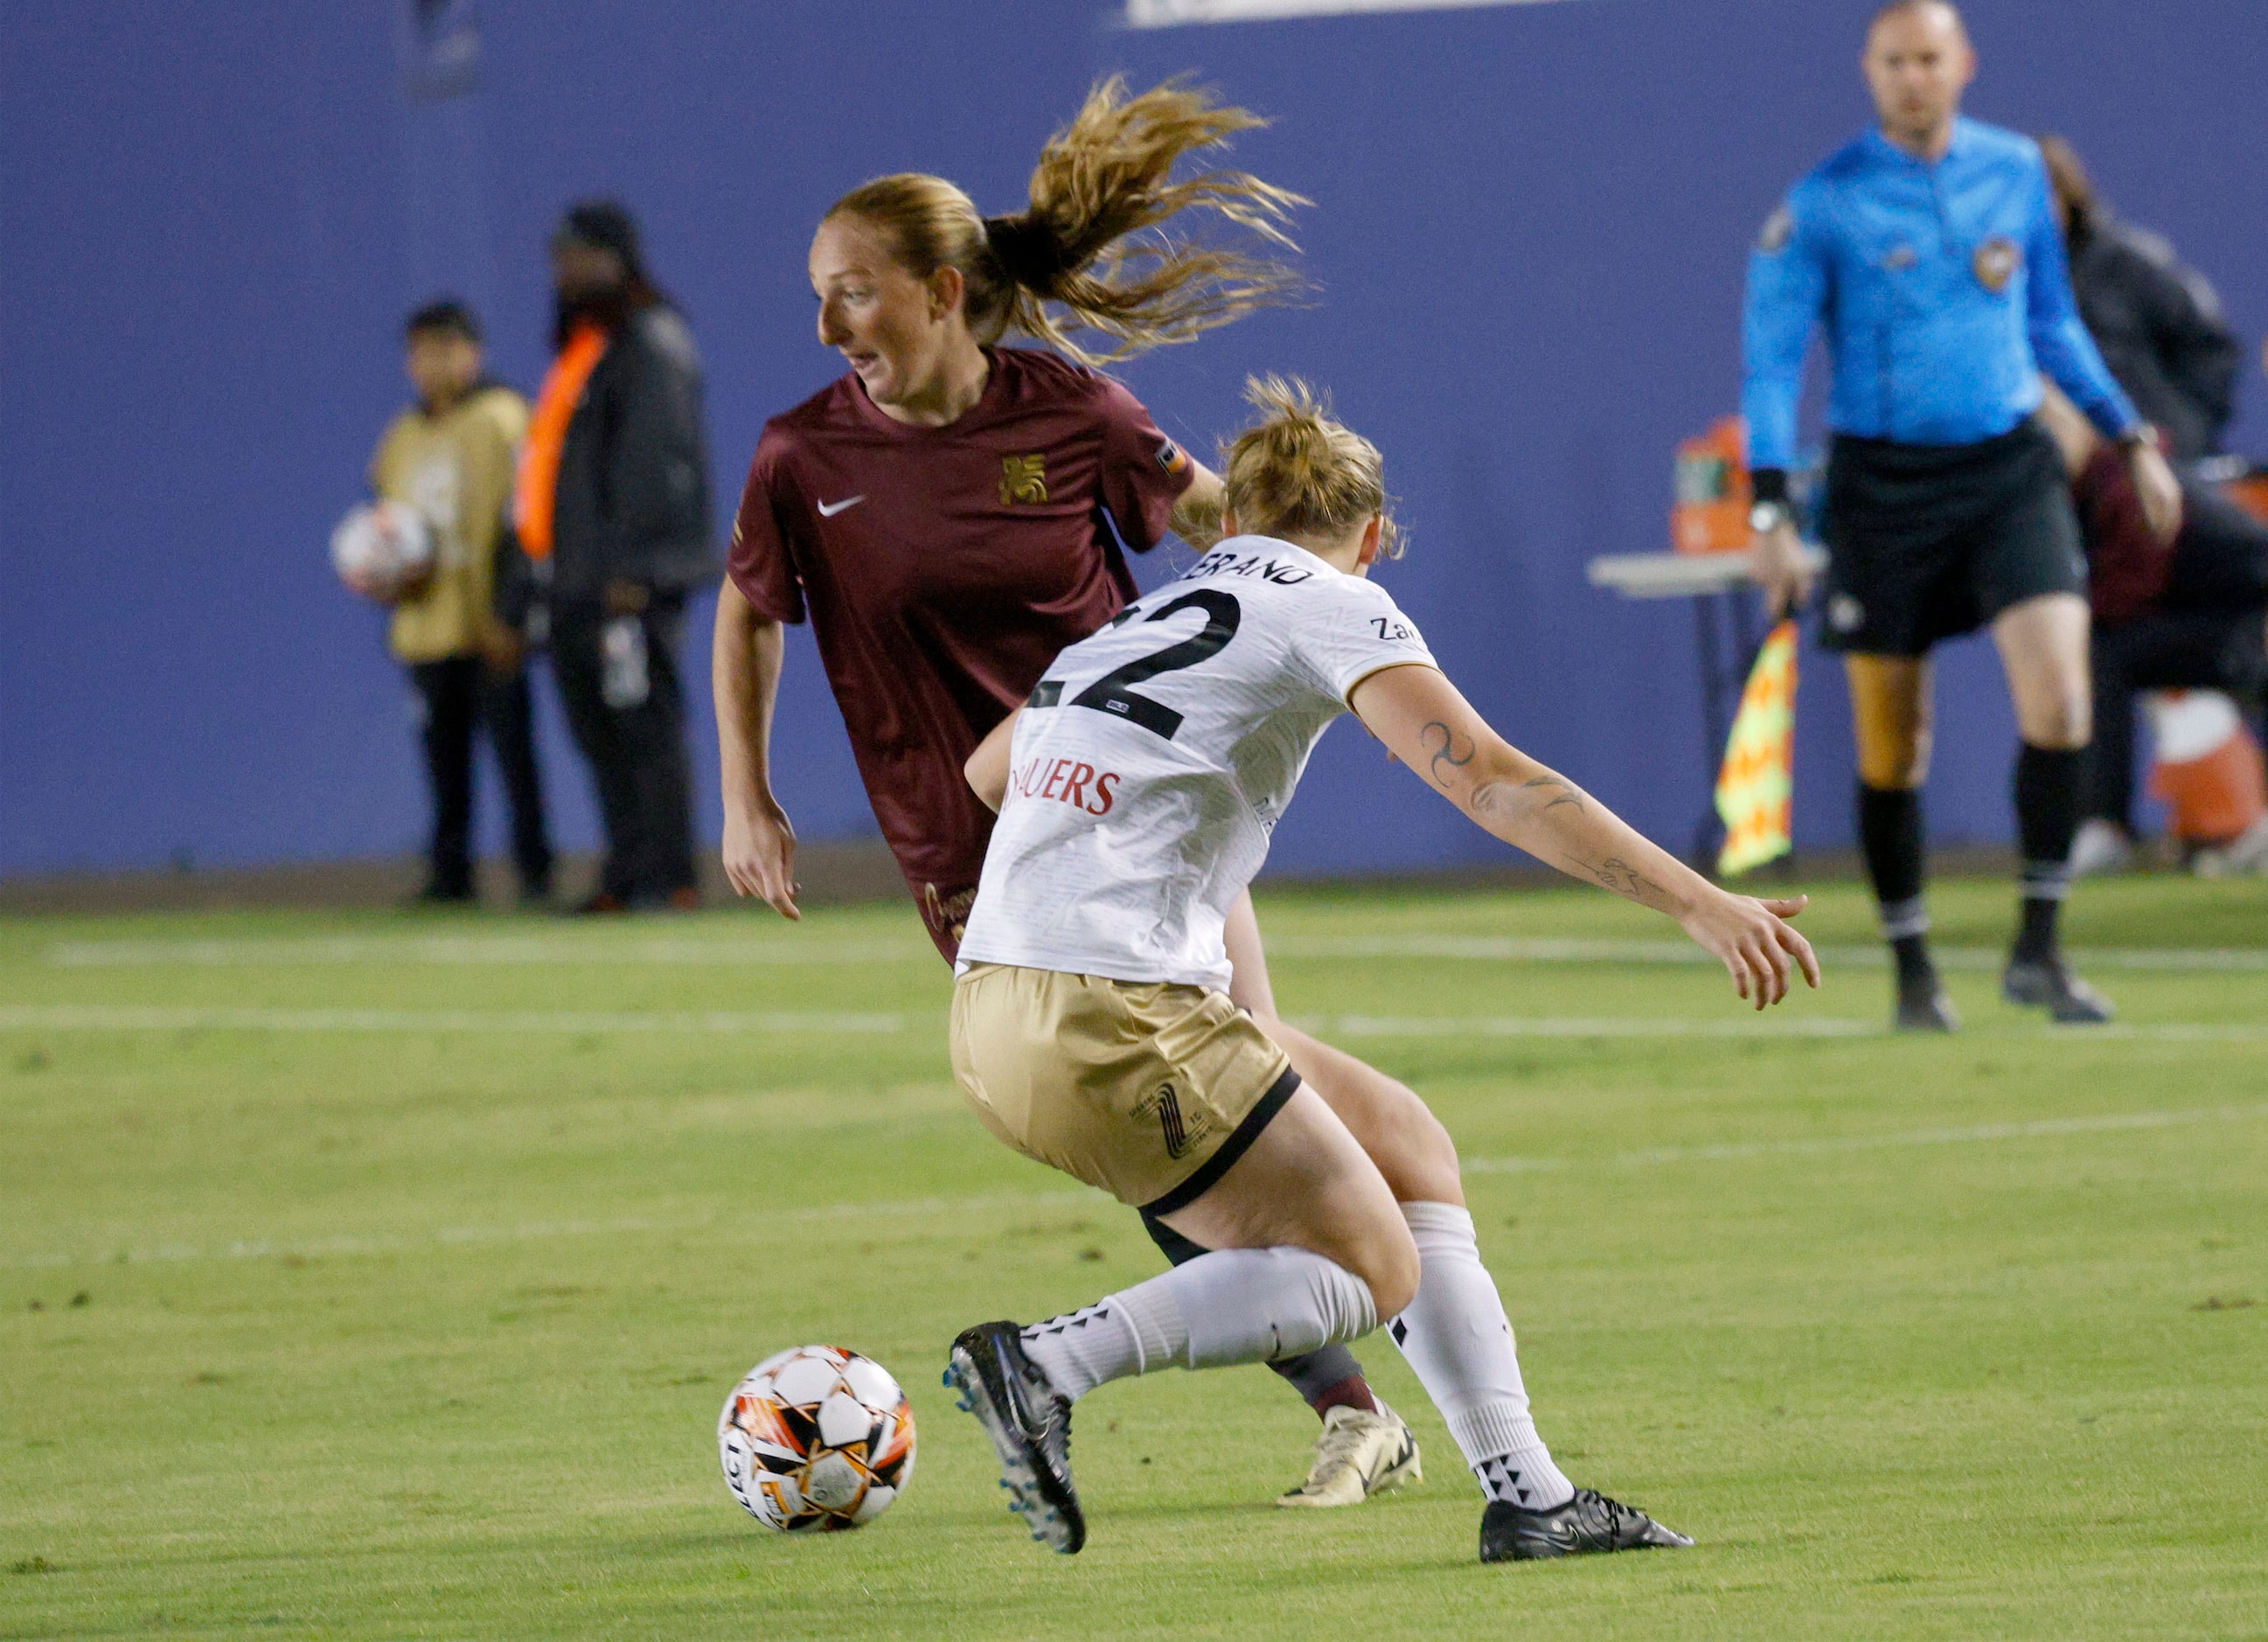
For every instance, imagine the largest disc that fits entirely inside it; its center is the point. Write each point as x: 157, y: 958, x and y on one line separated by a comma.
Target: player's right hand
x: 1755, y: 943
x: 1780, y: 569
x: 760, y: 855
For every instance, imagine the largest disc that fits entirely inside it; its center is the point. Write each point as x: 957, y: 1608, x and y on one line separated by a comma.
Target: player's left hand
x: 2158, y: 491
x: 1752, y: 940
x: 759, y: 853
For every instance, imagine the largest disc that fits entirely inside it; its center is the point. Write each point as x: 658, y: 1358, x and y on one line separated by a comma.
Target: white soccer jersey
x: 1156, y: 756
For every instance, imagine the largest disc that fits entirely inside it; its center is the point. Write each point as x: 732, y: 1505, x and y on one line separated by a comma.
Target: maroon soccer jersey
x: 2128, y: 566
x: 942, y: 569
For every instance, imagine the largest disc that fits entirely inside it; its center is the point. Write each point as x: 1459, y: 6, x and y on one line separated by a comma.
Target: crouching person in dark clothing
x: 2193, y: 616
x: 614, y: 513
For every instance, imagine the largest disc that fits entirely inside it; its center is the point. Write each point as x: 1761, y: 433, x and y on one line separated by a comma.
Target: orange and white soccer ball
x: 816, y: 1439
x: 382, y: 548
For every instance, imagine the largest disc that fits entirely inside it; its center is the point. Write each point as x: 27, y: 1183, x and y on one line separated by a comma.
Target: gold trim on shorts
x: 1149, y: 1090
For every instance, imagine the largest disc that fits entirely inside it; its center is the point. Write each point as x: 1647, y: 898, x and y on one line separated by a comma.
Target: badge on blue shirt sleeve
x: 1996, y: 263
x: 1779, y: 228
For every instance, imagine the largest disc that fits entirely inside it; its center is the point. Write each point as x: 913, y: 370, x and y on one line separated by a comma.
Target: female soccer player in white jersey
x: 1092, y: 1029
x: 952, y: 512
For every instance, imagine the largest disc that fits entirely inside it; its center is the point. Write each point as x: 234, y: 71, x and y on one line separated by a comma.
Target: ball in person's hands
x: 382, y: 551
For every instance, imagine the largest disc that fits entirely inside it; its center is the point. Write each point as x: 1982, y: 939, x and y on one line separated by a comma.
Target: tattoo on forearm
x: 1624, y: 879
x: 1455, y: 750
x: 1569, y: 793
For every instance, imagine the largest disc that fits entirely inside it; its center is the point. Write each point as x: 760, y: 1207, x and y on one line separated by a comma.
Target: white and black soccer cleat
x: 1029, y: 1422
x: 2048, y: 983
x: 1587, y: 1524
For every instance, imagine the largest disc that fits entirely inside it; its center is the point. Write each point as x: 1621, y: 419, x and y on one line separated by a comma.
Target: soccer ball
x: 816, y: 1439
x: 381, y: 549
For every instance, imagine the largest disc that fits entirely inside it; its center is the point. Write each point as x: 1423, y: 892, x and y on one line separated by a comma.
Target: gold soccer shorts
x: 1149, y: 1090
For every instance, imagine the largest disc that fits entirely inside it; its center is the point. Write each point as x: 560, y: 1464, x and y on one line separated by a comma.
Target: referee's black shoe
x: 1588, y: 1523
x: 2049, y: 984
x: 1924, y: 1006
x: 1029, y: 1422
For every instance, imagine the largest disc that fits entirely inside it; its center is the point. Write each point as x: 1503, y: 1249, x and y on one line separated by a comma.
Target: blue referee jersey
x: 1944, y: 293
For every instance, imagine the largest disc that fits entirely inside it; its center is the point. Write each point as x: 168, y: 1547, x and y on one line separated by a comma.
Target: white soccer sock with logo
x: 1457, y: 1337
x: 1232, y: 1306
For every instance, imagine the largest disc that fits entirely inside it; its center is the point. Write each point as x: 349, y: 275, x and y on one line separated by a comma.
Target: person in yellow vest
x: 451, y: 457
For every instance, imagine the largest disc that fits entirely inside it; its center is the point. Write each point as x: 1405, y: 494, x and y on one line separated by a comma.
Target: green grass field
x: 382, y: 1276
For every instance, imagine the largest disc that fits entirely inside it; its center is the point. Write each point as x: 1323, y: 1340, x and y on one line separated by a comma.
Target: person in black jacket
x: 614, y: 503
x: 2158, y: 323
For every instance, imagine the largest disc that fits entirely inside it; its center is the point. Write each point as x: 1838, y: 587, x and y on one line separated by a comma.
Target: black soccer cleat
x: 2049, y: 983
x: 1924, y: 1006
x: 1587, y: 1524
x: 1029, y: 1422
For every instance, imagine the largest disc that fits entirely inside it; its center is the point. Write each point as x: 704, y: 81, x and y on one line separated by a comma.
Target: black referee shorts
x: 1929, y: 541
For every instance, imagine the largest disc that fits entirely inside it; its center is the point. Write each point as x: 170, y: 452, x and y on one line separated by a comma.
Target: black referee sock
x: 1890, y: 838
x: 2050, y: 793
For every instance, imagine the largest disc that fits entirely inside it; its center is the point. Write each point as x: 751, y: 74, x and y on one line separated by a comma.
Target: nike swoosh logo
x: 829, y: 510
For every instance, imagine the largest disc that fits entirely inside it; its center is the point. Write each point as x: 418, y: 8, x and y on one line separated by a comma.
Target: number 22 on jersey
x: 1114, y: 691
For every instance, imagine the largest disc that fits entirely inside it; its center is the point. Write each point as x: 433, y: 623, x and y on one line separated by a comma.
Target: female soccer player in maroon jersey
x: 952, y: 514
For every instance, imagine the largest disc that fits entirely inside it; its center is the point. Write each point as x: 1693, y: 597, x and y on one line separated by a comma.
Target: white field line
x: 1742, y: 1026
x: 473, y: 1236
x: 1748, y: 1024
x: 138, y: 1018
x: 502, y: 951
x: 537, y: 1230
x: 1526, y: 949
x: 2044, y: 1129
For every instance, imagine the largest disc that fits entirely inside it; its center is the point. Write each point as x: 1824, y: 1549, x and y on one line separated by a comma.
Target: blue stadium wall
x: 1528, y: 240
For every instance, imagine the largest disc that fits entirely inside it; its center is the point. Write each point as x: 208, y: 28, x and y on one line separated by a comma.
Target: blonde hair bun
x: 1298, y: 471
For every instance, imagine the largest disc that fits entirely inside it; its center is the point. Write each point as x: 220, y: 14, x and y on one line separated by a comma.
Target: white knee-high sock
x: 1232, y: 1306
x: 1457, y: 1337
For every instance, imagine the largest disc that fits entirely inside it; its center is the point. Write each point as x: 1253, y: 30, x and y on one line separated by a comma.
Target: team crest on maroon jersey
x: 1997, y: 260
x: 1023, y: 479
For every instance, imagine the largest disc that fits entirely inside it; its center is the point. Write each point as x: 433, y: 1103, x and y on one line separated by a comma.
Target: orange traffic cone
x: 2210, y: 772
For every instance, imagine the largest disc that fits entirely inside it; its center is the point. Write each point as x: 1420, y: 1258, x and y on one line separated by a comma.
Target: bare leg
x: 1306, y: 1182
x: 1408, y: 1143
x: 1307, y: 1250
x: 2044, y: 643
x: 1331, y: 1377
x: 1402, y: 1135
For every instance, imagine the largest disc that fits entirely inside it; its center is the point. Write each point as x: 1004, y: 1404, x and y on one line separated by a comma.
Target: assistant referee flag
x: 1756, y: 787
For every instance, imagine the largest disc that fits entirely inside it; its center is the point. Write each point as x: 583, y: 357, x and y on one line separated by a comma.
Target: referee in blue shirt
x: 1930, y: 252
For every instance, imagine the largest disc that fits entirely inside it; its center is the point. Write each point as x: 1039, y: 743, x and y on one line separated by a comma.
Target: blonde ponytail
x: 1090, y: 256
x: 1297, y: 472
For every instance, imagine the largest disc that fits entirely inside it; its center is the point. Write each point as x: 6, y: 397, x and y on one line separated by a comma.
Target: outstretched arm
x: 1431, y: 727
x: 744, y: 675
